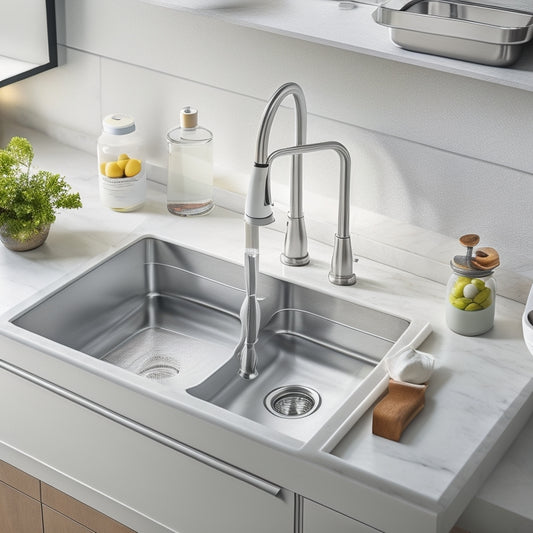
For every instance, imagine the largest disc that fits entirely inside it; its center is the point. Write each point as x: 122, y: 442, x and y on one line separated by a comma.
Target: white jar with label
x: 121, y: 165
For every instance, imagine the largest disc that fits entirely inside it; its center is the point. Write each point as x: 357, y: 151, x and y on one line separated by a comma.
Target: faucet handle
x: 341, y: 272
x: 295, y: 247
x: 258, y: 211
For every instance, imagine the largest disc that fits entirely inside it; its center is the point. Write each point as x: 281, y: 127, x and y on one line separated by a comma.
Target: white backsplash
x: 434, y: 155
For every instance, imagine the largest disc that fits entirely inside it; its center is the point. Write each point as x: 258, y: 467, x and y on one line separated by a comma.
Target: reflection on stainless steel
x: 456, y: 29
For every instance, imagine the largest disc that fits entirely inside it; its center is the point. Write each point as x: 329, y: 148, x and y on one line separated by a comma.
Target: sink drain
x: 159, y: 368
x: 292, y: 401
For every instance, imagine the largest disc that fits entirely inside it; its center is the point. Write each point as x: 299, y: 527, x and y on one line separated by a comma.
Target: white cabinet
x: 320, y: 519
x: 173, y: 490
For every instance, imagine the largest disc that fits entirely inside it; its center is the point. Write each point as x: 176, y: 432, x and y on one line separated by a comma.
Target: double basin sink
x: 163, y: 313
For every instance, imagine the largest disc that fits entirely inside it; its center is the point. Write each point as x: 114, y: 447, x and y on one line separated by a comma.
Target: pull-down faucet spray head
x: 258, y: 210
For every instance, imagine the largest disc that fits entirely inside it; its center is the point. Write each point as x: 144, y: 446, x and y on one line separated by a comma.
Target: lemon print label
x: 122, y: 183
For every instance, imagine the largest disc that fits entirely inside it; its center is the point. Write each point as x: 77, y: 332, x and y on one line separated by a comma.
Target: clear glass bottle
x: 121, y: 168
x: 471, y: 290
x: 190, y: 167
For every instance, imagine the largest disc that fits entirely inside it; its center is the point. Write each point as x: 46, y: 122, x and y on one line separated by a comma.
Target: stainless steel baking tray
x: 471, y: 32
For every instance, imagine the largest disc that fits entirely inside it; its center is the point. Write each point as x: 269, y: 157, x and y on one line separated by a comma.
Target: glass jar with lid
x: 471, y: 289
x: 121, y: 167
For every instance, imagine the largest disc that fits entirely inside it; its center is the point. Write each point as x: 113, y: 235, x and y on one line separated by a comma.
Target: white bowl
x: 527, y: 322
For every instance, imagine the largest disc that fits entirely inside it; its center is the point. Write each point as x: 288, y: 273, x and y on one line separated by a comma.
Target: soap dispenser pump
x: 190, y: 167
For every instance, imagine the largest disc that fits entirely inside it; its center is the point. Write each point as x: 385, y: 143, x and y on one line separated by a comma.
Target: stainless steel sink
x: 155, y: 309
x: 171, y: 315
x: 309, y: 363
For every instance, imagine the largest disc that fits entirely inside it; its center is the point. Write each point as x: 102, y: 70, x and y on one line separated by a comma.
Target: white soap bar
x: 410, y: 365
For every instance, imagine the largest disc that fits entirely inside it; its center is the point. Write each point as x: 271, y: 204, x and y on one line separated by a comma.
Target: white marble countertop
x: 478, y: 400
x: 504, y: 501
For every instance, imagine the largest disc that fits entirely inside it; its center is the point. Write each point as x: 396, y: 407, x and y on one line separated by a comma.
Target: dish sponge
x: 399, y: 407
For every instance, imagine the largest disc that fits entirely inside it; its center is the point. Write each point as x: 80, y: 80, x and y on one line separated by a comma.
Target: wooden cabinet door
x: 19, y: 480
x: 18, y: 512
x: 74, y: 516
x: 55, y: 522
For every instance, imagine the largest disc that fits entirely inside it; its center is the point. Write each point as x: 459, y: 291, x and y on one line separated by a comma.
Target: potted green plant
x: 29, y: 201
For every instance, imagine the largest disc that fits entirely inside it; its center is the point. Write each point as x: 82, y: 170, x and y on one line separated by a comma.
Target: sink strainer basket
x: 160, y: 368
x: 292, y: 401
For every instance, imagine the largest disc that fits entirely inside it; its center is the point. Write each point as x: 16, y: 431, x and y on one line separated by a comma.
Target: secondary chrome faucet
x: 258, y: 212
x: 341, y: 272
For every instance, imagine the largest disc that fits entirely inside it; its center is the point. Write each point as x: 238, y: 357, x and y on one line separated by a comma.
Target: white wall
x: 435, y: 155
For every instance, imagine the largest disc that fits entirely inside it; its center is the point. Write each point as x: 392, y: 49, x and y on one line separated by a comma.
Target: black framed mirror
x: 28, y: 40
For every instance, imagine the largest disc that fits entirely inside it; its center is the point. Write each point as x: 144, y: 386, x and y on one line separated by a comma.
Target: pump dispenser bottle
x: 190, y: 167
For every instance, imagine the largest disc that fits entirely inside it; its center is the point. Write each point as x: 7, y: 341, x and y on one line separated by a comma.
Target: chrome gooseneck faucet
x: 295, y: 248
x: 258, y: 212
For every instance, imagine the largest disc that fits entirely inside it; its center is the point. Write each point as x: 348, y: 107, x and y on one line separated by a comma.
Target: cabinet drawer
x: 172, y: 489
x: 320, y: 519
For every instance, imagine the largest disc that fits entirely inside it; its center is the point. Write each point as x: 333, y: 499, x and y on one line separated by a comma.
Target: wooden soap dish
x: 397, y: 409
